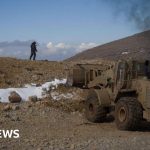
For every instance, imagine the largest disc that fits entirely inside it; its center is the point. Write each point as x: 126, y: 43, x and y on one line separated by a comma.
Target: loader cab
x: 121, y: 76
x: 141, y: 69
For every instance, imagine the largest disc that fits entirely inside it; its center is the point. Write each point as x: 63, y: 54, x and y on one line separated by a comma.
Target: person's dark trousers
x: 33, y: 54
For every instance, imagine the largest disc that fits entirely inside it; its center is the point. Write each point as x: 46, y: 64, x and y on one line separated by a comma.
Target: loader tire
x: 128, y: 113
x: 94, y: 112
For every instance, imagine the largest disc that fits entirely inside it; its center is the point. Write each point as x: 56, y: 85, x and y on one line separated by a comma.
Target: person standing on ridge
x: 33, y: 50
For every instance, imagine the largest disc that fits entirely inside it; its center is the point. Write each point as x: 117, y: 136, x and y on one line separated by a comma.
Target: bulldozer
x: 121, y: 87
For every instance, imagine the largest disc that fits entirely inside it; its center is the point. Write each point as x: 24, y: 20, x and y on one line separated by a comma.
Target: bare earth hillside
x: 16, y: 73
x: 136, y: 46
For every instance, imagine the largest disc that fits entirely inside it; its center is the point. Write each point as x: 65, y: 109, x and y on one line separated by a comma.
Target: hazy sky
x: 61, y: 27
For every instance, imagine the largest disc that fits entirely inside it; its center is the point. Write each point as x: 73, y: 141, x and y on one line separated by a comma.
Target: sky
x: 62, y: 28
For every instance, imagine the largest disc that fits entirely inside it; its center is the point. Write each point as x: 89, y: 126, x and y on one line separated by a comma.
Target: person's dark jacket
x: 33, y: 47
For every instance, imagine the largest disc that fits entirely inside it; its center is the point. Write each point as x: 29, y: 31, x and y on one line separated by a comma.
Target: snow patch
x: 125, y: 53
x: 30, y: 90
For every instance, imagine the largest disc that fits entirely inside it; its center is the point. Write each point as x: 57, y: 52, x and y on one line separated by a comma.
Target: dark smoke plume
x: 137, y: 11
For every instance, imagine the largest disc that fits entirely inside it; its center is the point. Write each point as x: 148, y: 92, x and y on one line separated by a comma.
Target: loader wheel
x: 128, y: 113
x: 94, y: 112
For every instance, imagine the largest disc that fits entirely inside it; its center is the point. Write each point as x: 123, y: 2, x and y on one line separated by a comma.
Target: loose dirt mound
x: 66, y: 98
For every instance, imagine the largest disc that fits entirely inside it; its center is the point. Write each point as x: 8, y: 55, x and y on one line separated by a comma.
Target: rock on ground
x: 14, y: 97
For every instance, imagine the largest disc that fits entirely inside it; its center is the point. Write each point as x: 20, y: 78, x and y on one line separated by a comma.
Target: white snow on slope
x: 125, y: 53
x: 30, y: 90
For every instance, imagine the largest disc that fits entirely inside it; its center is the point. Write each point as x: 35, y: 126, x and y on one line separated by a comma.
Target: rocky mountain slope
x: 136, y: 46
